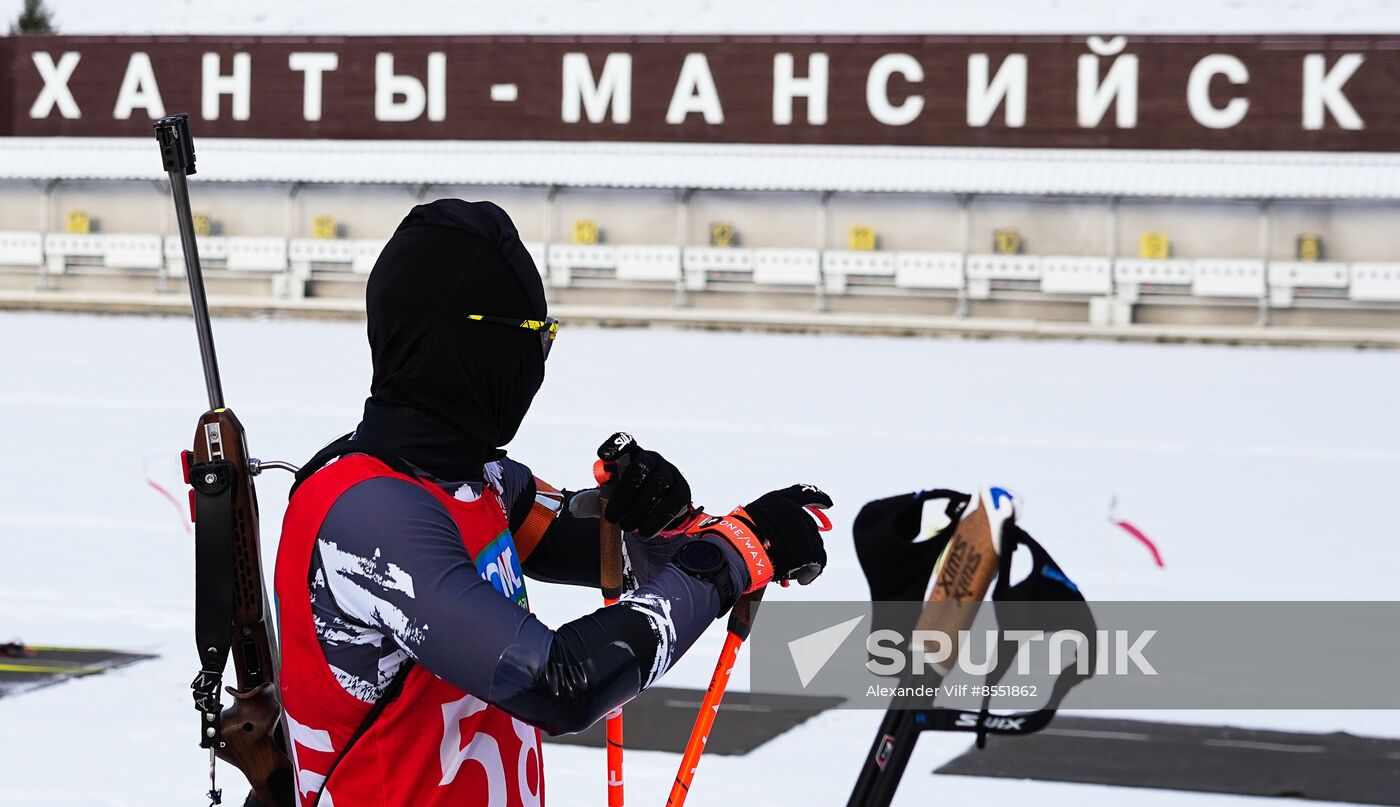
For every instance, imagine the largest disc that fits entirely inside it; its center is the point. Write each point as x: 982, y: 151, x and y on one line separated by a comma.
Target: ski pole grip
x: 742, y: 615
x: 609, y: 534
x: 610, y: 559
x: 603, y: 472
x: 961, y: 578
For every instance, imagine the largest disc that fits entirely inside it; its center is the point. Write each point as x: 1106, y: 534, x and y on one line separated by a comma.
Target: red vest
x: 435, y: 744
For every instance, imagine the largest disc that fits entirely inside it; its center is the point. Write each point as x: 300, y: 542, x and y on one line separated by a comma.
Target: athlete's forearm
x: 600, y: 661
x: 568, y: 552
x: 394, y: 561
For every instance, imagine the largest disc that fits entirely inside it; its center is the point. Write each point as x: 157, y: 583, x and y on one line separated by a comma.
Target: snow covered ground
x: 1241, y: 463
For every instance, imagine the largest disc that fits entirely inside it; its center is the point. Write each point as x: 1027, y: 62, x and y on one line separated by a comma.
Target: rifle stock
x: 249, y: 735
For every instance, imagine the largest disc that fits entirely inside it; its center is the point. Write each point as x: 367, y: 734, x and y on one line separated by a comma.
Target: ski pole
x: 740, y: 623
x: 738, y: 628
x: 610, y: 578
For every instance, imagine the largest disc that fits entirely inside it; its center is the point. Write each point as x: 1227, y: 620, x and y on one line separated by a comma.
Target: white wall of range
x: 290, y: 263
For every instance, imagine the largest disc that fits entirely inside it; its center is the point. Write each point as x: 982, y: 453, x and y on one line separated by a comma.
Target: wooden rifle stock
x: 249, y: 732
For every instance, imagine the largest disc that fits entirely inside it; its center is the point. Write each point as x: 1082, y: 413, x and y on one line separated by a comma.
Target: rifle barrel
x: 177, y: 149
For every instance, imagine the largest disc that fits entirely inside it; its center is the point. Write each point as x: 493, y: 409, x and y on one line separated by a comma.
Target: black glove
x: 646, y: 494
x: 788, y: 532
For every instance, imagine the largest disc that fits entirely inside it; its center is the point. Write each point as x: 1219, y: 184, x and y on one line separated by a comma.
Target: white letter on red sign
x: 139, y: 89
x: 55, y: 92
x: 1120, y: 83
x: 311, y: 66
x: 1009, y: 85
x: 877, y: 91
x: 238, y: 84
x: 786, y: 87
x: 1322, y: 91
x: 695, y: 92
x: 388, y: 87
x: 1198, y: 91
x: 584, y: 94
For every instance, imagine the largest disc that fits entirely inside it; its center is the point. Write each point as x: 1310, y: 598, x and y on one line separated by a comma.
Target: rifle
x: 231, y: 608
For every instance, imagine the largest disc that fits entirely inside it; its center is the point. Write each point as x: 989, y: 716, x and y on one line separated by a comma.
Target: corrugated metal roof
x: 1192, y: 174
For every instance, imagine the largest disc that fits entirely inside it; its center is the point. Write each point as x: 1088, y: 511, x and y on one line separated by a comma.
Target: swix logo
x: 499, y: 565
x: 622, y: 440
x: 968, y: 720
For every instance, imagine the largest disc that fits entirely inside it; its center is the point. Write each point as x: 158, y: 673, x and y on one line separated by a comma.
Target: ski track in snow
x: 1241, y: 463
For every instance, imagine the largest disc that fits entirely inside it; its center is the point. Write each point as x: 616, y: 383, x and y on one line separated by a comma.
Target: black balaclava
x: 449, y: 390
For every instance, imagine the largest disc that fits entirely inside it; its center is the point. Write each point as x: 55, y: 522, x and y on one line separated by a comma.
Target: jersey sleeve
x: 393, y: 560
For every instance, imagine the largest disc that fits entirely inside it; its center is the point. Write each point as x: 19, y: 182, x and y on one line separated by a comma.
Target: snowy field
x: 1241, y: 463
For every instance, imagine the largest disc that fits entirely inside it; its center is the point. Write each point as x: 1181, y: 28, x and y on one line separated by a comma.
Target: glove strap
x: 687, y: 522
x: 737, y: 529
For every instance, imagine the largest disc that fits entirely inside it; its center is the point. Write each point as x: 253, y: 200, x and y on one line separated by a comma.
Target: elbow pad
x: 594, y: 664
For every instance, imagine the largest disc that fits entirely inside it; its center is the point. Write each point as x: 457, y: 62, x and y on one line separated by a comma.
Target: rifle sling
x: 213, y: 484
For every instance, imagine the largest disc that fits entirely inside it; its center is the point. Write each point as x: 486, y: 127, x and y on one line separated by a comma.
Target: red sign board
x: 1180, y: 92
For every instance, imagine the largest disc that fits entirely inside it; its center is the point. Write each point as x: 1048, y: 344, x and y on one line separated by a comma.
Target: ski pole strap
x: 213, y: 484
x: 390, y: 694
x: 737, y: 529
x: 1046, y: 582
x: 548, y: 501
x: 983, y: 722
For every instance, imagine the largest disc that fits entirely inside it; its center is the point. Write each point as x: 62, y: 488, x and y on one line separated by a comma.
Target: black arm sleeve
x: 393, y: 560
x: 568, y: 552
